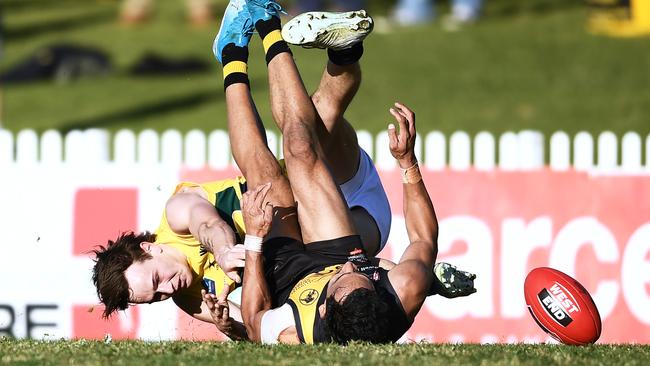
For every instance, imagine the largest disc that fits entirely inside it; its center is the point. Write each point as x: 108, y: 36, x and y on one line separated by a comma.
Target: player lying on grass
x: 202, y: 223
x: 335, y: 302
x: 202, y: 220
x: 287, y: 265
x: 318, y: 274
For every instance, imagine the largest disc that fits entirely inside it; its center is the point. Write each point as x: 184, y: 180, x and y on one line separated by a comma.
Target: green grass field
x: 524, y: 65
x: 196, y: 353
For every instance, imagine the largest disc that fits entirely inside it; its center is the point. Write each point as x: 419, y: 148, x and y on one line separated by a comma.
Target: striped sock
x: 235, y: 67
x: 270, y: 32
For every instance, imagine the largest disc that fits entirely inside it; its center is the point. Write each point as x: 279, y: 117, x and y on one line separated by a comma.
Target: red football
x: 562, y: 307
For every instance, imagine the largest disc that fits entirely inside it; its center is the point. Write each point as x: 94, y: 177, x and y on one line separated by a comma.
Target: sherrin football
x: 562, y: 307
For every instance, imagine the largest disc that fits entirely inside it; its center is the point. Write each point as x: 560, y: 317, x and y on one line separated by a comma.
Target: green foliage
x: 83, y: 352
x: 525, y: 64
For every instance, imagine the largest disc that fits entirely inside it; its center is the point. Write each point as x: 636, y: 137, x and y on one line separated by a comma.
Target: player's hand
x: 402, y: 142
x: 230, y: 258
x: 452, y: 282
x: 257, y: 212
x: 219, y: 311
x: 218, y: 238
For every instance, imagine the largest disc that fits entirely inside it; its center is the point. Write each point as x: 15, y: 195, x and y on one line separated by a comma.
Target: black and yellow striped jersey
x: 305, y: 298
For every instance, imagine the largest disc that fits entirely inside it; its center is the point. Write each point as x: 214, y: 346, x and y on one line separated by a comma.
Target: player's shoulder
x: 409, y: 273
x: 188, y: 191
x: 411, y: 280
x: 211, y: 186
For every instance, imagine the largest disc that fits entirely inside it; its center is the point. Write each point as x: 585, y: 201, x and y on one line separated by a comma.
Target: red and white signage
x: 497, y: 224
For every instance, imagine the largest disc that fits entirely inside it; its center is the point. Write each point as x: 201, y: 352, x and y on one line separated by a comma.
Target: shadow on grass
x: 144, y: 111
x: 58, y: 25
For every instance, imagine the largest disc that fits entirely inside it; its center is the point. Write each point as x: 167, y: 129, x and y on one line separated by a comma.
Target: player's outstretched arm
x: 189, y: 212
x: 421, y: 222
x: 412, y: 276
x: 256, y: 299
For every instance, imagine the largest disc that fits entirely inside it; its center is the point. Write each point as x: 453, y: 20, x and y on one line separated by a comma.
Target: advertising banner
x: 497, y: 224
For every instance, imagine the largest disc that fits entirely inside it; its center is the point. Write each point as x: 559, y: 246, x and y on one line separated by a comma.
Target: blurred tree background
x: 524, y: 65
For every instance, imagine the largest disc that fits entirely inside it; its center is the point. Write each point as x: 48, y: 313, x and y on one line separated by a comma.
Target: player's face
x: 347, y: 280
x: 158, y: 278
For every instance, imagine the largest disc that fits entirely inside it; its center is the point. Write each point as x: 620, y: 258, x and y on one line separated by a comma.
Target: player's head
x: 353, y: 309
x: 132, y: 269
x: 346, y: 280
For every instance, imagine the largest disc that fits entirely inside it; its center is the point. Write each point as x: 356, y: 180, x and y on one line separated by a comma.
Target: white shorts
x: 365, y: 190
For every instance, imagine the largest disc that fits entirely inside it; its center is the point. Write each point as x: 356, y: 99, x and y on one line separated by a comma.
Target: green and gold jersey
x: 225, y: 195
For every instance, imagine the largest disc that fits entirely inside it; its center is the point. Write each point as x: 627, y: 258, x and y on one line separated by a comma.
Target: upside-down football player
x: 202, y: 222
x: 313, y: 282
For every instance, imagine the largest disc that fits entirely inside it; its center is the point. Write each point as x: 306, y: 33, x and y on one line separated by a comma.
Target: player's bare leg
x: 338, y: 86
x: 249, y: 148
x: 323, y: 213
x: 246, y: 131
x: 342, y: 34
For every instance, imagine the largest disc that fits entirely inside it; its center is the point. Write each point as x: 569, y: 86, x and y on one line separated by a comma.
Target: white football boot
x: 453, y: 282
x: 320, y: 29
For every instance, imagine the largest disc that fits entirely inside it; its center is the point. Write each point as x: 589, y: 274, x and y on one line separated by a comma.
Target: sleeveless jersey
x: 225, y: 195
x: 305, y: 298
x: 310, y: 291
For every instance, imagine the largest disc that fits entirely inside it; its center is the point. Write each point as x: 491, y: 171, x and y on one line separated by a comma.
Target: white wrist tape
x: 253, y: 243
x: 411, y: 175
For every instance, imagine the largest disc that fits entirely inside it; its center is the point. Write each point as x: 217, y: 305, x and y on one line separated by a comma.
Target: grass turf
x: 522, y: 66
x: 82, y: 352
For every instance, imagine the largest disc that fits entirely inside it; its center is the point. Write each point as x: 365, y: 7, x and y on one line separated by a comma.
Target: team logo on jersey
x: 202, y: 250
x: 209, y: 286
x: 308, y: 296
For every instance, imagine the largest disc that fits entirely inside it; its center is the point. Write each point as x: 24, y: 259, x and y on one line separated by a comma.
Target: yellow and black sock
x: 346, y: 56
x: 270, y: 32
x: 235, y: 67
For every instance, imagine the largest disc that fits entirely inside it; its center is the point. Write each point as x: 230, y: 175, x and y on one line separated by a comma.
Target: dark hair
x: 362, y: 316
x: 111, y: 262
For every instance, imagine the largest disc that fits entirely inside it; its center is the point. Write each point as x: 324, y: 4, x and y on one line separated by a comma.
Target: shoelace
x: 248, y: 27
x: 276, y: 7
x: 269, y: 5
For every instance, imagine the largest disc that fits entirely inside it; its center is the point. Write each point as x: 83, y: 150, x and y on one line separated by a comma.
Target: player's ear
x: 321, y: 310
x: 146, y: 246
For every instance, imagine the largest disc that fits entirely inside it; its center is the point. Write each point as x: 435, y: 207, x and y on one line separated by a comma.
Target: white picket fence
x: 511, y: 151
